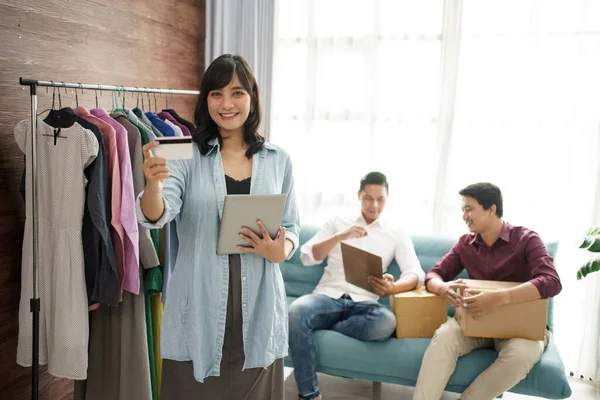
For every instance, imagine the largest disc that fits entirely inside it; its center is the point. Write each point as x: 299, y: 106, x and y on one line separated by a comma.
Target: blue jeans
x: 366, y: 320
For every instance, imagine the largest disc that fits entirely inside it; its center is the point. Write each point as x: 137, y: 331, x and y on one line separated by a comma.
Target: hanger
x: 77, y: 97
x: 149, y: 101
x: 120, y: 90
x: 155, y: 105
x: 96, y: 92
x: 113, y: 107
x: 53, y: 97
x: 62, y: 117
x: 58, y: 119
x: 59, y: 100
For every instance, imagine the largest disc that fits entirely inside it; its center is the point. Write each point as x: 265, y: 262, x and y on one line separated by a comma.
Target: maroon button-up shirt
x: 519, y: 255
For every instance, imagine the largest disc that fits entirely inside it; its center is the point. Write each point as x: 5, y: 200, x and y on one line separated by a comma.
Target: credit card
x: 174, y: 148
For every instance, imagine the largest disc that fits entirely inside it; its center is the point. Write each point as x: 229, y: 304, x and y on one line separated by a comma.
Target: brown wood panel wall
x: 145, y: 43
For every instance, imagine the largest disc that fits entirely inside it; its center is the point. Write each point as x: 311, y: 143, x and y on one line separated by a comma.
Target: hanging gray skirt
x: 233, y: 384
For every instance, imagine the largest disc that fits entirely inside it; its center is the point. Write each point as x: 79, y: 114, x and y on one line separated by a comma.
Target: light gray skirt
x: 252, y: 384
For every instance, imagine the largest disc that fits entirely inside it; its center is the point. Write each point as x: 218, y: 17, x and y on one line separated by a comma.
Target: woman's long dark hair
x: 218, y: 75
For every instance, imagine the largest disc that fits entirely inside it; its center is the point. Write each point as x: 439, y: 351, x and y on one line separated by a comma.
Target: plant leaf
x: 593, y: 232
x: 592, y: 238
x: 588, y: 268
x: 595, y: 247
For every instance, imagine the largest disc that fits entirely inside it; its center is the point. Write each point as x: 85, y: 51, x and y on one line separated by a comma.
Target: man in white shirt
x: 338, y: 305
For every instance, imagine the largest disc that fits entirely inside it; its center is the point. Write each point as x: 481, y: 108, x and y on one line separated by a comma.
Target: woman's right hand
x: 155, y: 169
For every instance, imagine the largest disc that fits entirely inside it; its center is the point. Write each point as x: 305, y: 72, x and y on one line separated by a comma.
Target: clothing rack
x: 35, y: 300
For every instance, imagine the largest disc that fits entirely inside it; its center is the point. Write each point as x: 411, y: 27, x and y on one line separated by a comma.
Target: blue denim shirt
x: 193, y: 326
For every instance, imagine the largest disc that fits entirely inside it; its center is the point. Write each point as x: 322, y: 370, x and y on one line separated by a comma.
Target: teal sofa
x: 398, y: 360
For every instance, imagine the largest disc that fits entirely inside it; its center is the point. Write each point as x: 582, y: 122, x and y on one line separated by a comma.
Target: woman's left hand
x: 272, y: 250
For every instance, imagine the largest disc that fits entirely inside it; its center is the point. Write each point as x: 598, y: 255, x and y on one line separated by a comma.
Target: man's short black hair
x: 486, y: 194
x: 374, y: 178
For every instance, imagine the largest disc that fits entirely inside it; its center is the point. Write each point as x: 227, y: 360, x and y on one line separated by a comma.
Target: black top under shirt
x: 238, y: 187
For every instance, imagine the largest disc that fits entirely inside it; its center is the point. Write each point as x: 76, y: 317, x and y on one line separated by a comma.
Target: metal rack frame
x: 35, y: 300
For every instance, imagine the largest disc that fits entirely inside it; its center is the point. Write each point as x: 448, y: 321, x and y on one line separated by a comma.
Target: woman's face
x: 229, y: 107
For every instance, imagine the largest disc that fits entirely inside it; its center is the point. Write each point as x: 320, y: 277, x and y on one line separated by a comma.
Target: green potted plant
x: 591, y: 242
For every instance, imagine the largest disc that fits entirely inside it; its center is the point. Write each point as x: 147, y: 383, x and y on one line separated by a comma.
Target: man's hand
x: 352, y: 233
x: 272, y: 250
x: 383, y: 287
x: 478, y: 303
x: 450, y: 294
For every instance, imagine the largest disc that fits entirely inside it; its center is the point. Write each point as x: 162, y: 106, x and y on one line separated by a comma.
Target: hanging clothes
x: 110, y: 336
x: 114, y: 176
x: 167, y: 117
x: 101, y: 272
x: 165, y: 129
x: 171, y: 240
x: 152, y: 285
x: 131, y: 282
x: 178, y: 131
x: 62, y: 156
x: 157, y: 315
x: 143, y: 128
x: 142, y: 116
x: 119, y: 361
x: 153, y: 279
x: 191, y: 127
x: 119, y: 367
x: 147, y: 252
x: 102, y: 277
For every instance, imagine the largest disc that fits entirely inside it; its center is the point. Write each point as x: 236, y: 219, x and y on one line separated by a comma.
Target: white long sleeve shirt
x: 382, y: 240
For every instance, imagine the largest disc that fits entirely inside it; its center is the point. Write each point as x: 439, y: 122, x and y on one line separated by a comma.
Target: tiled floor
x: 334, y: 388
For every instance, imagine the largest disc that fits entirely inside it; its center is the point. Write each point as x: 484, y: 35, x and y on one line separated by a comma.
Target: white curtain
x: 245, y: 28
x: 440, y: 94
x: 357, y: 88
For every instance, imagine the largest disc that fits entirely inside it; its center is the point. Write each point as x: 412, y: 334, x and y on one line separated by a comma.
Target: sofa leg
x: 376, y: 391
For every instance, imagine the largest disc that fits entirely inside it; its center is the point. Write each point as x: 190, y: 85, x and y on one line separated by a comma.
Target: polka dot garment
x: 61, y: 199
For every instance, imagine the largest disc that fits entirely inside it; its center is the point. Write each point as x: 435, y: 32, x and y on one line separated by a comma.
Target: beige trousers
x: 515, y: 359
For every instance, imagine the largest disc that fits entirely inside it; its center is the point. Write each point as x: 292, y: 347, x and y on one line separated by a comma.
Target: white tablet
x: 243, y: 210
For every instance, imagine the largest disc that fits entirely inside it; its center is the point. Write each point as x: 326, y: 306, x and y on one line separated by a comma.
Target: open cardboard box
x: 418, y: 313
x: 523, y: 320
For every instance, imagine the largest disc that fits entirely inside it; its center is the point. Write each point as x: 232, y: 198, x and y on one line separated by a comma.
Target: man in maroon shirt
x: 493, y: 250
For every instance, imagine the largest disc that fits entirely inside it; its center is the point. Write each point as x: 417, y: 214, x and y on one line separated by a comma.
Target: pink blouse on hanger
x: 131, y: 279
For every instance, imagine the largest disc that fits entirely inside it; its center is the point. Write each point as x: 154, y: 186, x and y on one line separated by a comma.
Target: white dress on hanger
x: 64, y: 329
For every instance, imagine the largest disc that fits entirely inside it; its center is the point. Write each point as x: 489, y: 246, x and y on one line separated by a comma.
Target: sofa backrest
x: 300, y: 280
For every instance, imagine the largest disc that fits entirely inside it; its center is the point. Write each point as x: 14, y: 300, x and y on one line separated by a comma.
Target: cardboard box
x: 418, y: 313
x: 523, y: 320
